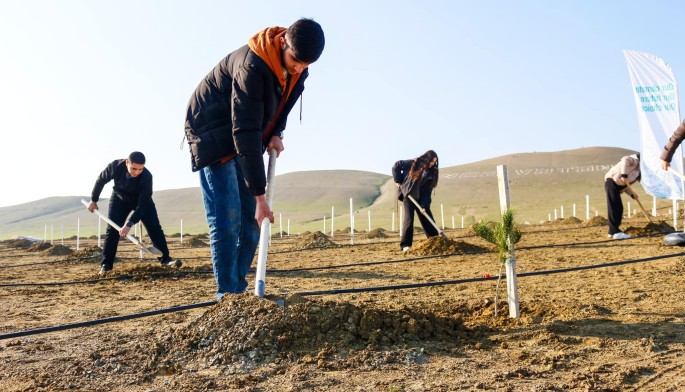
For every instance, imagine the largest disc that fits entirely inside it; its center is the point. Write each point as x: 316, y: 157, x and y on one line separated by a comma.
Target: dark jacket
x: 229, y: 111
x: 420, y: 190
x: 673, y: 143
x: 134, y: 191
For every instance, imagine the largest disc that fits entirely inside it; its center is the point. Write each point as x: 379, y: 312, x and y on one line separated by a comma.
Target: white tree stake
x: 351, y: 223
x: 78, y: 232
x: 510, y: 268
x: 587, y: 207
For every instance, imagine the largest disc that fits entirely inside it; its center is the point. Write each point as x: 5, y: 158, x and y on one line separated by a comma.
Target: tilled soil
x: 343, y: 314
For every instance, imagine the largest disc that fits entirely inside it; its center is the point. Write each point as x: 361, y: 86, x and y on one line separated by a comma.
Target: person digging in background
x: 673, y: 143
x: 626, y: 171
x: 239, y: 111
x: 132, y: 192
x: 416, y: 177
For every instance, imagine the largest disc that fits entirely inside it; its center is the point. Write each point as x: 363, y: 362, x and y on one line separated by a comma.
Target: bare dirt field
x: 612, y: 328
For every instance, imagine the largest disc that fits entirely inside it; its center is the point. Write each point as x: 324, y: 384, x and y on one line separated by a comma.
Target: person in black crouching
x: 132, y: 192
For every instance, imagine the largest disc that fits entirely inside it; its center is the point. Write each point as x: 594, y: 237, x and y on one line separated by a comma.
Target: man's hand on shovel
x: 263, y: 210
x: 635, y: 196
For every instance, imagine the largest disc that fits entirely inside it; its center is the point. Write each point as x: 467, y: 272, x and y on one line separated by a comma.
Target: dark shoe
x: 169, y: 262
x: 105, y: 269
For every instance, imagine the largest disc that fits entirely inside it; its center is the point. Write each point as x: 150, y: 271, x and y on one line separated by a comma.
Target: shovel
x: 260, y: 272
x: 639, y: 202
x: 151, y: 250
x: 427, y: 216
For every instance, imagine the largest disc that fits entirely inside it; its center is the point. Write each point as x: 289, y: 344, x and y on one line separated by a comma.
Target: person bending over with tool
x: 237, y: 112
x: 617, y: 181
x: 673, y: 143
x: 132, y: 192
x: 416, y: 178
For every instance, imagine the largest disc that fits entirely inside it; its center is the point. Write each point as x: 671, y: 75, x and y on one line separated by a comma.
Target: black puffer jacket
x: 420, y: 190
x: 134, y: 191
x: 230, y: 109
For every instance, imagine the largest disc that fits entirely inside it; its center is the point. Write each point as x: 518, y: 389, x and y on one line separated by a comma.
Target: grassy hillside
x: 539, y: 184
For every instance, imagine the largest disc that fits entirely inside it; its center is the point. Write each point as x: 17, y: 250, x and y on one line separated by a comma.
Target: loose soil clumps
x: 196, y: 242
x: 597, y: 221
x: 571, y: 220
x: 59, y: 250
x: 650, y: 229
x: 19, y: 243
x: 376, y: 233
x: 440, y: 245
x: 39, y: 247
x: 315, y: 240
x: 91, y: 252
x: 244, y: 331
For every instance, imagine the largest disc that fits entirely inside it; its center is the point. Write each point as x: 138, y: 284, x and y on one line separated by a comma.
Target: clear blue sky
x: 85, y: 82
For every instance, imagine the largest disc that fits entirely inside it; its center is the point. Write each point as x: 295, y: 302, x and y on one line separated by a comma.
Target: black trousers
x: 118, y: 212
x: 614, y: 205
x: 407, y: 235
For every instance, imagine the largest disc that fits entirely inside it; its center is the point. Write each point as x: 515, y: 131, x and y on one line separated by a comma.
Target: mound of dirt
x: 244, y: 331
x: 596, y: 221
x: 572, y: 220
x: 376, y: 233
x: 19, y: 243
x: 196, y: 243
x: 651, y: 228
x: 91, y: 252
x: 59, y: 250
x: 440, y: 245
x: 39, y: 247
x: 315, y: 240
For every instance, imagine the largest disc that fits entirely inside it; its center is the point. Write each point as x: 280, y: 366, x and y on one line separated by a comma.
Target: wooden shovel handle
x: 639, y: 202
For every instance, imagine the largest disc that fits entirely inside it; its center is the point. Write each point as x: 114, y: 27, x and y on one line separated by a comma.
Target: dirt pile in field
x: 440, y: 245
x: 90, y: 252
x: 244, y: 331
x: 572, y: 220
x: 597, y: 221
x: 154, y: 270
x: 315, y: 240
x: 39, y: 247
x: 18, y: 243
x: 650, y: 229
x: 58, y: 250
x: 196, y: 242
x: 376, y: 233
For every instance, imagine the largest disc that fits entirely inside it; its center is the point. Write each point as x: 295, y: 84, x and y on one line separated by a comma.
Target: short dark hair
x: 136, y: 157
x: 306, y: 39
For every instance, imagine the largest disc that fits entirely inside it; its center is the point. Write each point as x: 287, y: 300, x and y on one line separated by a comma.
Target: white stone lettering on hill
x: 531, y: 171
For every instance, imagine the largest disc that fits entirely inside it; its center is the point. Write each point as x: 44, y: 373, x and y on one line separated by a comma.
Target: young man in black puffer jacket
x: 237, y: 112
x: 132, y: 192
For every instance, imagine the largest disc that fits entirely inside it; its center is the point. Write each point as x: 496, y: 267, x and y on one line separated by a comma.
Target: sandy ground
x: 618, y: 327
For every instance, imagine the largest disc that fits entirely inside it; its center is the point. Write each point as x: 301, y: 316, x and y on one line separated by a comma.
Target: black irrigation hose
x: 42, y: 262
x: 105, y: 320
x: 459, y: 281
x: 307, y: 293
x: 128, y: 276
x: 367, y: 263
x: 120, y: 277
x: 65, y: 283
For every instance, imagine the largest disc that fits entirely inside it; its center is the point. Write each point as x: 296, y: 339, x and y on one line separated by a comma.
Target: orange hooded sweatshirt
x: 266, y: 44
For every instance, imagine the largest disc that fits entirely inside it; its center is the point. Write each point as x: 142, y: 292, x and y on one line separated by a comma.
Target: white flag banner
x: 656, y: 97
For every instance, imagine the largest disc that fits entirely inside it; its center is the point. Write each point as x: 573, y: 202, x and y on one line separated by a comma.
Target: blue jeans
x: 233, y: 230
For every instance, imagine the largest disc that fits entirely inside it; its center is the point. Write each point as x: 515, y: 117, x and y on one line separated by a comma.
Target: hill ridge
x: 540, y: 182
